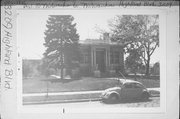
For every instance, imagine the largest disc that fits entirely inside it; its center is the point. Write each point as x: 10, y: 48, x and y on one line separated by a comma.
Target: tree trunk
x: 147, y: 67
x: 62, y: 66
x: 135, y: 76
x: 62, y: 73
x: 61, y: 60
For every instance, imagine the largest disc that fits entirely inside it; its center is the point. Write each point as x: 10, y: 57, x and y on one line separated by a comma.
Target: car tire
x: 113, y: 98
x: 145, y: 96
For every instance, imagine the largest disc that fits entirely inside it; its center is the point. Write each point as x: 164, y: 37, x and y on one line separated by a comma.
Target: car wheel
x: 113, y: 98
x: 145, y: 96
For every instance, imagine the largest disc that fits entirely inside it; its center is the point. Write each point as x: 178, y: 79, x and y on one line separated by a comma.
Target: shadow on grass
x: 127, y: 101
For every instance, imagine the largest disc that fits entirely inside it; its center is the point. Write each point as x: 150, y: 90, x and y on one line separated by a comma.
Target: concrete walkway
x: 62, y: 93
x: 73, y: 93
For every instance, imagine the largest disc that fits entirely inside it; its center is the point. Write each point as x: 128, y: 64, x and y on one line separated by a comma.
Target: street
x: 152, y: 102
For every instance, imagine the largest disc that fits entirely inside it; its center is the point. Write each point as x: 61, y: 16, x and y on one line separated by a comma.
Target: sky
x: 31, y: 25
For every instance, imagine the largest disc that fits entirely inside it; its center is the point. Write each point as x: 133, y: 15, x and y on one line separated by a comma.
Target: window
x: 136, y: 85
x: 128, y: 85
x: 114, y: 57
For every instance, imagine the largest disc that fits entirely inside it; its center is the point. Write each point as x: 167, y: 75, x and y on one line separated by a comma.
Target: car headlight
x: 106, y: 94
x: 103, y: 94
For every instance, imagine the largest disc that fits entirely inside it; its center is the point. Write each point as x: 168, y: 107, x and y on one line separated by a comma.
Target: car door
x: 127, y: 91
x: 138, y: 90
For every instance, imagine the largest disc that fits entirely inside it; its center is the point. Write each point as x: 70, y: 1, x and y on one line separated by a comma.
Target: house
x: 101, y: 55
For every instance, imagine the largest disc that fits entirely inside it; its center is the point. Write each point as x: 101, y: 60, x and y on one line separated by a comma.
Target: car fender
x: 113, y: 92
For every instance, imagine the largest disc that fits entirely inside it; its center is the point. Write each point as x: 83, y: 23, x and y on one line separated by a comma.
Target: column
x: 92, y: 57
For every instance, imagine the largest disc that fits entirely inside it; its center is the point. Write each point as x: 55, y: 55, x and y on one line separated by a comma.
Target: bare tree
x: 137, y: 31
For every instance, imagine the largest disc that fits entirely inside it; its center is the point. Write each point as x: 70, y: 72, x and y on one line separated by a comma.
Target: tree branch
x: 153, y: 49
x: 144, y: 58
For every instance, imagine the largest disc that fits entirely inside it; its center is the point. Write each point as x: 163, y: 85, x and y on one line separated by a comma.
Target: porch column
x: 106, y: 50
x: 92, y: 56
x: 108, y: 57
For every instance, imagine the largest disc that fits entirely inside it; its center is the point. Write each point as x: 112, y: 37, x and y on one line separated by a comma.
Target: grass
x: 37, y: 85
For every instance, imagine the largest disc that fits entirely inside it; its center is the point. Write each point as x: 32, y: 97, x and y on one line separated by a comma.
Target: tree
x: 138, y: 31
x: 133, y: 61
x: 61, y: 41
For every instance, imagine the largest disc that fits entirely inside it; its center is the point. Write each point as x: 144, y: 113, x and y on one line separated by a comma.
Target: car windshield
x: 133, y: 85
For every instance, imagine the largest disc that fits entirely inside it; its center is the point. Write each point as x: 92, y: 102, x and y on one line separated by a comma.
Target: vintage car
x: 126, y: 90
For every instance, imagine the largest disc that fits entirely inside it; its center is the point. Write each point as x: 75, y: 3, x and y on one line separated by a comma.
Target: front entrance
x: 101, y: 59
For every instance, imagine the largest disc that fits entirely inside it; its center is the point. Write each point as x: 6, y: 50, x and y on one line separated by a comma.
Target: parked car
x: 126, y: 89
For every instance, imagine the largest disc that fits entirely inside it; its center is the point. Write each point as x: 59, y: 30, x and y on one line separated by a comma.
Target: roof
x: 98, y: 42
x: 123, y: 81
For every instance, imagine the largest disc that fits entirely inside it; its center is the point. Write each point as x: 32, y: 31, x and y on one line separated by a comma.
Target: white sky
x: 31, y: 25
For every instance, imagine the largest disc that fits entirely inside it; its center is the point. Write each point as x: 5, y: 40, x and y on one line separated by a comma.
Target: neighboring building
x: 155, y: 69
x: 102, y: 55
x: 30, y: 67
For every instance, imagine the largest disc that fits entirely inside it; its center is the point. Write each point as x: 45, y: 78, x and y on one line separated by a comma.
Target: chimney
x: 106, y: 37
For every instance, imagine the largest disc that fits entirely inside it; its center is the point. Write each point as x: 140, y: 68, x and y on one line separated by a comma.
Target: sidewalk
x: 62, y: 93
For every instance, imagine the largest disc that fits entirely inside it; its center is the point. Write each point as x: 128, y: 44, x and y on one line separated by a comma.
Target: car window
x: 136, y: 85
x: 127, y: 85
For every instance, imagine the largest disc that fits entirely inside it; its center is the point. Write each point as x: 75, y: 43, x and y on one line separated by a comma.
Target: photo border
x: 14, y: 93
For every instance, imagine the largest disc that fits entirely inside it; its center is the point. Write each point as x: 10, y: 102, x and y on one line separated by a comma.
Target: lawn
x: 37, y: 85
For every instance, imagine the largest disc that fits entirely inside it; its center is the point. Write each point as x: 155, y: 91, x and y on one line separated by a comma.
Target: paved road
x: 153, y: 102
x: 72, y: 93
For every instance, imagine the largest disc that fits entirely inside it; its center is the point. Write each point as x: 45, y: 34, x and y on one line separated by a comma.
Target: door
x: 101, y: 60
x: 138, y: 90
x: 131, y: 90
x: 127, y: 91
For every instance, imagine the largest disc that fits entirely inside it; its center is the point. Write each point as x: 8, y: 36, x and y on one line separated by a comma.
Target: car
x: 125, y: 90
